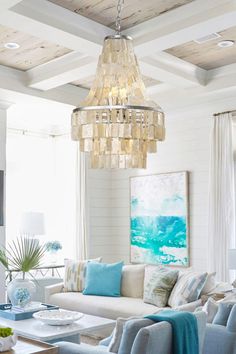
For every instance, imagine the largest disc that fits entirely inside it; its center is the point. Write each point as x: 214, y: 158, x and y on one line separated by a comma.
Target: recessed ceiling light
x: 11, y: 45
x: 225, y: 44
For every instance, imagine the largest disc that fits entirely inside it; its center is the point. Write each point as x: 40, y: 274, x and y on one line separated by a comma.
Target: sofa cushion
x: 187, y: 288
x: 132, y: 280
x: 103, y: 279
x: 223, y: 313
x: 210, y: 283
x: 210, y: 308
x: 158, y: 283
x: 109, y: 307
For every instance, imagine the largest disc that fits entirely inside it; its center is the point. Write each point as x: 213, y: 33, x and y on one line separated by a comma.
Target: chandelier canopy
x: 116, y: 123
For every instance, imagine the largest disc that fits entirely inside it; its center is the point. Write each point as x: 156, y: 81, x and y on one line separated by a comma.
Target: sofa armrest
x: 52, y: 289
x: 190, y: 307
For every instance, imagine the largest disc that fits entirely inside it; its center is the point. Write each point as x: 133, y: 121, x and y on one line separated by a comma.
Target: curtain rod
x: 217, y: 114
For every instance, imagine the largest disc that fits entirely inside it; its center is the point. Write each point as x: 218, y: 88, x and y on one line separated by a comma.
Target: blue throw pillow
x: 103, y: 279
x: 223, y: 313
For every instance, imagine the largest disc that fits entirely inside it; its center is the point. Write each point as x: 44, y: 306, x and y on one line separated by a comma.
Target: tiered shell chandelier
x: 116, y: 123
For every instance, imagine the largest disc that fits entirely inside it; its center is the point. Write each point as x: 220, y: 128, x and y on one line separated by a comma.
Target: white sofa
x: 129, y: 304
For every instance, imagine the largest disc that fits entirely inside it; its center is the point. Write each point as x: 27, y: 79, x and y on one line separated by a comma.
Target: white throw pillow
x: 187, y: 289
x: 210, y: 284
x: 75, y: 273
x: 132, y: 280
x: 210, y: 308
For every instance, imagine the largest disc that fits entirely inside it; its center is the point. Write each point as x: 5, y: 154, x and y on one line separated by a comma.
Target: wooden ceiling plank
x: 133, y: 12
x: 208, y: 55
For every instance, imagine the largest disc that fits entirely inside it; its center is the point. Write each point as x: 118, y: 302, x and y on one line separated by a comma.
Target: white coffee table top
x: 35, y: 329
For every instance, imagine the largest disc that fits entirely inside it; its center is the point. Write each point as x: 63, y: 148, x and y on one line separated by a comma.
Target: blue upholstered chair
x: 140, y: 336
x: 221, y: 339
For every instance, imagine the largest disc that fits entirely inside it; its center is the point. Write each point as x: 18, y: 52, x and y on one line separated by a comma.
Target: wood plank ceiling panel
x: 134, y: 11
x: 87, y: 82
x: 32, y: 52
x: 208, y: 55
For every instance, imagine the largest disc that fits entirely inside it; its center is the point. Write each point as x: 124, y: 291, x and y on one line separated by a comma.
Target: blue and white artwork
x: 159, y: 219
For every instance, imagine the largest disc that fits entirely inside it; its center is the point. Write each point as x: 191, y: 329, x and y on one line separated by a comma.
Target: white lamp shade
x: 32, y: 223
x: 232, y: 258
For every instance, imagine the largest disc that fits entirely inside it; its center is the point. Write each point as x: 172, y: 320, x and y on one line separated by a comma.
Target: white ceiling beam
x: 7, y: 4
x: 172, y: 70
x: 220, y: 82
x: 50, y: 22
x: 14, y: 81
x: 188, y: 22
x: 61, y: 71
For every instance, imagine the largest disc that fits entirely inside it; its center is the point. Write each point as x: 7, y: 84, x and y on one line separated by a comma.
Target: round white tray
x: 57, y: 317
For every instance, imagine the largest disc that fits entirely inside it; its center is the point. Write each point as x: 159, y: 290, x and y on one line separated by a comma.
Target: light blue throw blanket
x: 185, y: 331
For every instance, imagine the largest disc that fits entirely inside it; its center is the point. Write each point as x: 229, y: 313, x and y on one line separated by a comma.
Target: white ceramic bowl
x: 57, y: 317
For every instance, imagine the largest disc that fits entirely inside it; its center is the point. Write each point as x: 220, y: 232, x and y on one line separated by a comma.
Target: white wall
x: 3, y: 119
x: 99, y: 191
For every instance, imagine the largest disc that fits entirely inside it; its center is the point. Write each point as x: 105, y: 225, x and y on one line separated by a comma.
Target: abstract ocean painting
x: 159, y: 219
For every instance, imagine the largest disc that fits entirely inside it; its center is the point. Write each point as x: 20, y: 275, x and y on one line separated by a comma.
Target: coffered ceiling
x: 134, y: 11
x: 208, y: 55
x: 60, y: 42
x: 32, y: 51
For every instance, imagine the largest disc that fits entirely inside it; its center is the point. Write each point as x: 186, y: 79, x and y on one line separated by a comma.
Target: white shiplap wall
x: 3, y: 120
x: 99, y: 208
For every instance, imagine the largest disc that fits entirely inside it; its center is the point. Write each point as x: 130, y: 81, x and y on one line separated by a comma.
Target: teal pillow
x: 223, y: 313
x: 103, y: 279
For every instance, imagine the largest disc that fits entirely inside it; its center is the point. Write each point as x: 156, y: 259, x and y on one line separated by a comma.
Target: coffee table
x: 35, y: 329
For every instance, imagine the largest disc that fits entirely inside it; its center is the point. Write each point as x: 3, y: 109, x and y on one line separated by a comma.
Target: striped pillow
x: 187, y: 289
x: 75, y: 273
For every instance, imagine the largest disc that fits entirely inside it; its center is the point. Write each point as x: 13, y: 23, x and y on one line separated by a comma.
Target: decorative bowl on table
x: 57, y: 317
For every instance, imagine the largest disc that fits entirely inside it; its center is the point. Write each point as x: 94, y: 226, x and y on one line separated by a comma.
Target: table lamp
x: 32, y: 224
x: 232, y: 262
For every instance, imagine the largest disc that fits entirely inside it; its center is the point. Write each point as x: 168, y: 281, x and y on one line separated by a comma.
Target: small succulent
x: 5, y: 332
x: 53, y: 246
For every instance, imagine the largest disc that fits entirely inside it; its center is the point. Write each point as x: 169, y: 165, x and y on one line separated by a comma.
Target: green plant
x: 6, y: 332
x: 22, y: 254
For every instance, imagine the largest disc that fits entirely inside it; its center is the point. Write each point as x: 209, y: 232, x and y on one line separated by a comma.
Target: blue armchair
x: 221, y: 339
x: 140, y: 336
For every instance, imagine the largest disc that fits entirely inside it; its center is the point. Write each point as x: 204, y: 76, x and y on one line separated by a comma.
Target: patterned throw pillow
x: 75, y: 273
x: 158, y: 283
x: 187, y: 289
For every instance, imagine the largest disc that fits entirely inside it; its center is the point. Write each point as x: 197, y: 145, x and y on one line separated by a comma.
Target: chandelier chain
x: 119, y: 9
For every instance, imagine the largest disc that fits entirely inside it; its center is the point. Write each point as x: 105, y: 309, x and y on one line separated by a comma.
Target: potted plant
x: 22, y: 254
x: 7, y: 339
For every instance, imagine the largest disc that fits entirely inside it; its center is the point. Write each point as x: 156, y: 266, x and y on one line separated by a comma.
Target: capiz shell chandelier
x: 116, y: 123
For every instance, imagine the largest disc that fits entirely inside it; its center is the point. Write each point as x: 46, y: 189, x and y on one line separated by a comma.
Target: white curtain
x: 81, y: 206
x: 221, y: 230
